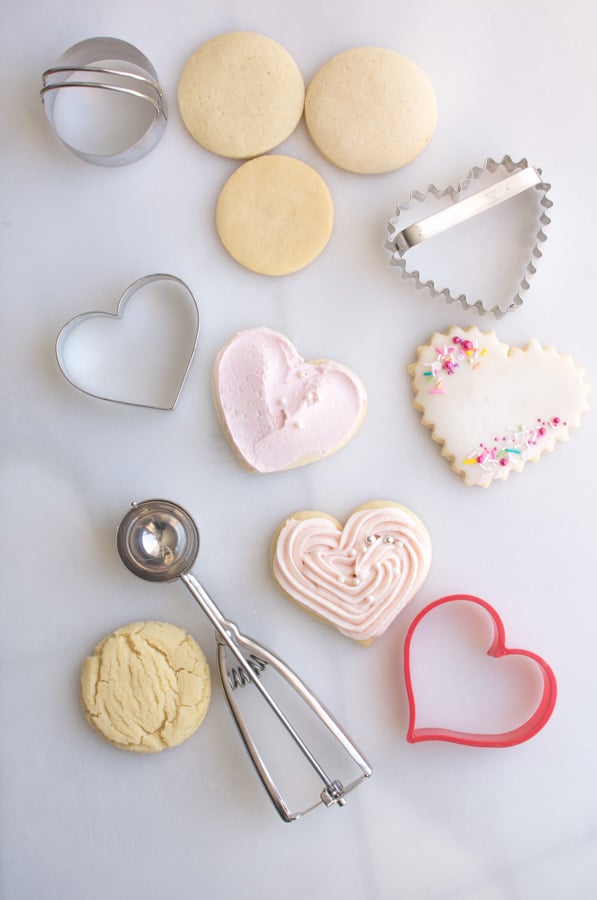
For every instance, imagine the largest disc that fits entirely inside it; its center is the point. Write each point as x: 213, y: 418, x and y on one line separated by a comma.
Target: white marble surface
x: 80, y: 819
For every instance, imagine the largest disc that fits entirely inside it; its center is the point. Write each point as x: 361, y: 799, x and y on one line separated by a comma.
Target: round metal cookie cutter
x: 108, y: 64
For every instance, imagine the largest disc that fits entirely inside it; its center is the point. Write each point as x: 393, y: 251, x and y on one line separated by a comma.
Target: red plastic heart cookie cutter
x: 497, y: 649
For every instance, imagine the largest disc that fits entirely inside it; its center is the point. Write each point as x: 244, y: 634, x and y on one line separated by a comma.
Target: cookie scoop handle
x: 230, y: 639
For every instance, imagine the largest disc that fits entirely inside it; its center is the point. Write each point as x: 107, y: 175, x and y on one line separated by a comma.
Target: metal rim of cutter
x: 520, y: 177
x: 133, y: 76
x: 131, y: 290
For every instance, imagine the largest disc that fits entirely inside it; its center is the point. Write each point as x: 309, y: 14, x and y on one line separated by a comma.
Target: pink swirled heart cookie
x: 279, y: 411
x: 358, y: 576
x: 493, y: 407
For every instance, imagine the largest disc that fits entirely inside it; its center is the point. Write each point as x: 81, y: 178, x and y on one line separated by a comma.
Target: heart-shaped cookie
x: 142, y: 359
x: 279, y: 411
x: 497, y: 649
x: 492, y: 407
x: 356, y: 577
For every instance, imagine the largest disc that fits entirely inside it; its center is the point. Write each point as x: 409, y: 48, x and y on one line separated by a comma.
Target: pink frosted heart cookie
x: 356, y: 577
x: 279, y: 411
x: 493, y: 407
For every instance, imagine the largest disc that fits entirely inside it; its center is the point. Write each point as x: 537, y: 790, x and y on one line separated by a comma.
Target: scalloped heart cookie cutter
x: 520, y: 177
x: 68, y: 329
x: 497, y: 649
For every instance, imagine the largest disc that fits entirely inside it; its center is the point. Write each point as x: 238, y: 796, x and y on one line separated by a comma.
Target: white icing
x: 496, y: 401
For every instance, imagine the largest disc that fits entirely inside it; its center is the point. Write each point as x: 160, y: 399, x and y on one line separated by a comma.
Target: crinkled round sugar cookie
x: 146, y: 686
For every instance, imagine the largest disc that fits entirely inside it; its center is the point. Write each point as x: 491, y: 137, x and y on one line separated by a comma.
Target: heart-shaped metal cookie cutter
x: 520, y: 176
x: 131, y: 290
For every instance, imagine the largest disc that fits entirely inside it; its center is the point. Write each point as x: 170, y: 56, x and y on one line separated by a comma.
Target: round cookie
x: 274, y: 215
x: 146, y: 687
x: 241, y: 94
x: 370, y: 110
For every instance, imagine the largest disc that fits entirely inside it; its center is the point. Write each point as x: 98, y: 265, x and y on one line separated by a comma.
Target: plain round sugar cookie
x: 370, y: 110
x: 146, y: 687
x: 241, y: 94
x: 274, y: 215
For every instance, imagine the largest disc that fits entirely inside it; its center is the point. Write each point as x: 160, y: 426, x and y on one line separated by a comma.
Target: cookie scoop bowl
x: 158, y: 540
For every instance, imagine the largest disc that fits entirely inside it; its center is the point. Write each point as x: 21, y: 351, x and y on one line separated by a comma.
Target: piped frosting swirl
x: 357, y: 577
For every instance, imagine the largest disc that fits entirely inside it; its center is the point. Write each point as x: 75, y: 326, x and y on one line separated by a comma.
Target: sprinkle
x: 519, y: 442
x: 449, y: 358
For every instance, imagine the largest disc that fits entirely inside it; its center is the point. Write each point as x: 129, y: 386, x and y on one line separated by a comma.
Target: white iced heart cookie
x: 493, y: 407
x: 356, y: 577
x: 279, y: 411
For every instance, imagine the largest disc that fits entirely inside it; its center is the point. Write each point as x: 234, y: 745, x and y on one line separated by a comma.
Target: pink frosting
x: 358, y: 577
x: 278, y: 410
